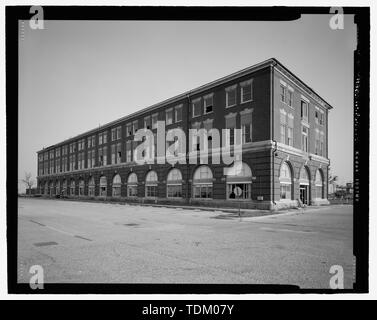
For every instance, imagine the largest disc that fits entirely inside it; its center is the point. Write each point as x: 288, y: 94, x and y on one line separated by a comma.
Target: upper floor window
x: 283, y: 92
x: 321, y: 118
x: 246, y: 91
x: 178, y: 113
x: 154, y: 120
x: 290, y: 98
x: 196, y: 106
x: 304, y: 110
x: 231, y: 94
x: 169, y: 116
x: 116, y: 133
x: 72, y: 147
x: 304, y: 139
x: 102, y: 138
x: 134, y: 126
x: 208, y: 103
x: 147, y: 122
x: 57, y: 152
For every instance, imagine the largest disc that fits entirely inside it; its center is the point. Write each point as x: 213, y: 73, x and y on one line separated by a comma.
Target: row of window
x: 286, y: 97
x: 202, y: 185
x: 286, y: 181
x: 286, y: 134
x: 204, y: 105
x: 238, y: 184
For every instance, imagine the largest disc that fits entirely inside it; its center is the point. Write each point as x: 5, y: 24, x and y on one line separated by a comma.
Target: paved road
x: 112, y: 243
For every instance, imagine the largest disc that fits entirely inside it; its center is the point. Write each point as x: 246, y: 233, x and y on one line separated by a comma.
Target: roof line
x: 219, y: 81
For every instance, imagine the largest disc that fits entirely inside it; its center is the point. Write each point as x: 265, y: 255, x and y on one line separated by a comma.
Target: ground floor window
x: 202, y: 191
x: 81, y: 188
x: 232, y: 189
x: 285, y: 191
x: 319, y: 192
x: 91, y: 191
x: 116, y: 191
x: 174, y: 191
x: 132, y: 191
x: 117, y: 183
x: 103, y: 186
x: 151, y: 191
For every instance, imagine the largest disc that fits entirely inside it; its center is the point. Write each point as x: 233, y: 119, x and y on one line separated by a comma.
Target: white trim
x: 283, y: 83
x: 305, y: 98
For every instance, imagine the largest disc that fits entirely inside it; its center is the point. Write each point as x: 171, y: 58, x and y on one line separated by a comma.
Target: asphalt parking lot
x: 84, y: 242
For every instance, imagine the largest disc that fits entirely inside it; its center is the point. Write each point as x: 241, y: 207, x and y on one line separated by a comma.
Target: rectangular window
x: 316, y: 115
x: 322, y: 119
x: 283, y: 127
x: 208, y: 104
x: 290, y: 98
x: 304, y: 142
x: 245, y: 188
x: 119, y: 132
x: 322, y: 144
x: 231, y: 96
x: 100, y: 139
x: 154, y: 120
x: 90, y: 159
x: 174, y: 191
x: 178, y: 113
x: 129, y: 151
x: 196, y: 106
x: 246, y: 125
x: 290, y: 130
x: 119, y: 153
x: 283, y: 91
x: 129, y: 129
x: 113, y: 134
x: 246, y: 91
x: 113, y: 153
x: 304, y: 110
x: 147, y: 122
x: 134, y: 126
x: 285, y: 191
x: 169, y: 116
x: 230, y: 123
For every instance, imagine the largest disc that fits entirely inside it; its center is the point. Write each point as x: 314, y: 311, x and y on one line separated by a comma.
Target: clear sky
x: 75, y: 75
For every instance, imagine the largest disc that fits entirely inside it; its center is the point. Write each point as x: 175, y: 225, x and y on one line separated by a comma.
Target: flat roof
x: 209, y: 85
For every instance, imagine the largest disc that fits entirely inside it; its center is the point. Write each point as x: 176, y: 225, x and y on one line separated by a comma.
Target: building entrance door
x: 304, y: 194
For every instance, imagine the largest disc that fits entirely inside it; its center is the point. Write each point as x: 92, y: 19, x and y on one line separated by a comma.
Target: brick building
x: 284, y: 148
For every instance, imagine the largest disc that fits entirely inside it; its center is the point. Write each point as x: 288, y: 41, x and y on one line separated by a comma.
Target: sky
x: 77, y: 75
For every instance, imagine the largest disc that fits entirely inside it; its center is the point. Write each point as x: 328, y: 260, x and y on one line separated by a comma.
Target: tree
x: 28, y: 181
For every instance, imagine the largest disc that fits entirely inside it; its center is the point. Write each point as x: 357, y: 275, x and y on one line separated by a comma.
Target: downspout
x: 272, y: 130
x: 188, y: 148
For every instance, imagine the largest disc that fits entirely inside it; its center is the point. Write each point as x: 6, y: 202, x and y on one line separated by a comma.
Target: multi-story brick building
x: 284, y: 147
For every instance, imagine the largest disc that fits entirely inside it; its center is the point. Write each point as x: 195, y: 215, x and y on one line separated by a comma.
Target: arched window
x: 151, y: 182
x: 81, y: 187
x: 103, y: 186
x: 117, y: 183
x: 202, y: 183
x: 285, y: 179
x: 304, y: 176
x: 57, y: 187
x: 174, y: 184
x: 72, y: 188
x: 319, y: 184
x: 52, y: 188
x: 132, y: 185
x: 238, y: 181
x: 91, y: 187
x: 64, y: 191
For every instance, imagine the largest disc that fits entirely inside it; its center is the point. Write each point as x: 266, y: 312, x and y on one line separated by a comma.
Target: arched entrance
x: 305, y: 185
